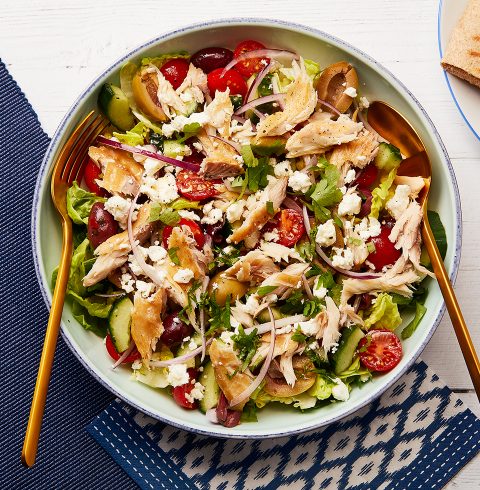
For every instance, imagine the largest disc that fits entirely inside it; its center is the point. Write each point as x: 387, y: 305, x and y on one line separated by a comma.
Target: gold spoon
x: 397, y: 130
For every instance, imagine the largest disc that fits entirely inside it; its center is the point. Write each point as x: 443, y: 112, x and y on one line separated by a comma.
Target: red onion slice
x: 283, y: 322
x: 258, y: 80
x: 307, y: 287
x: 181, y: 359
x: 261, y: 53
x: 140, y: 151
x: 205, y: 282
x: 124, y: 355
x: 256, y: 102
x: 330, y: 106
x: 291, y: 204
x: 263, y: 371
x: 306, y: 221
x: 234, y: 145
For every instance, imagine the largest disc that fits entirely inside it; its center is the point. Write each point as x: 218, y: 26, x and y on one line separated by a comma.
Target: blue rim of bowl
x: 243, y: 21
x: 446, y: 75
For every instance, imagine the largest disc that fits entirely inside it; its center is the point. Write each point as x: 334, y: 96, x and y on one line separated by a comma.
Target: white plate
x: 465, y: 95
x: 378, y: 83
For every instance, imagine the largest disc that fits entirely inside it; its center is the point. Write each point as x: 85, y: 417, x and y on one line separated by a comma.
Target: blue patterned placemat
x: 68, y: 458
x: 417, y: 435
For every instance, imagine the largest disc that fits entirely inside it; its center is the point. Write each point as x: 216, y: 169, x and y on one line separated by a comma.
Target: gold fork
x: 67, y: 169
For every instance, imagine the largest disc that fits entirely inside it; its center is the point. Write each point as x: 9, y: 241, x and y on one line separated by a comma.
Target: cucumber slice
x: 388, y: 157
x: 185, y: 349
x: 172, y: 148
x: 119, y: 324
x: 114, y: 104
x: 264, y: 316
x: 343, y: 356
x: 211, y: 394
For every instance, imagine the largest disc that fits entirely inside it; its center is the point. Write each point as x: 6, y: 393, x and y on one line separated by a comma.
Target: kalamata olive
x: 333, y: 82
x: 209, y: 59
x: 175, y: 330
x: 101, y: 225
x: 215, y: 231
x: 220, y: 287
x: 144, y: 88
x: 366, y: 196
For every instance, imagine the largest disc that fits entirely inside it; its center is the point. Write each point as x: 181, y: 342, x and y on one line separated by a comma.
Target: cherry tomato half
x: 232, y: 80
x: 194, y: 227
x: 91, y: 174
x: 289, y: 225
x: 135, y: 355
x: 180, y: 392
x: 175, y: 71
x: 380, y: 350
x: 385, y: 252
x: 367, y: 177
x: 195, y: 187
x: 253, y: 65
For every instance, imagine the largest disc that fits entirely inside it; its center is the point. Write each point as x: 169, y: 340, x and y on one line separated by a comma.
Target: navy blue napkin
x: 67, y: 457
x: 417, y: 435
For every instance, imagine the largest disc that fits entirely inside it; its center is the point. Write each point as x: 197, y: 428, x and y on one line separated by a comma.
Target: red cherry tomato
x: 232, y: 80
x: 175, y: 71
x: 380, y: 350
x: 116, y: 356
x: 180, y: 392
x: 289, y: 225
x: 91, y: 174
x: 195, y: 187
x: 385, y: 252
x: 367, y: 177
x: 194, y: 227
x: 253, y: 65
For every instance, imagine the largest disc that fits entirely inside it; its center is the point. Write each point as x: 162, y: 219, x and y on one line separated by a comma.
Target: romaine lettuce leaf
x: 160, y: 60
x: 302, y: 401
x: 322, y: 389
x: 381, y: 193
x: 383, y: 314
x: 420, y: 311
x: 80, y: 202
x: 133, y: 137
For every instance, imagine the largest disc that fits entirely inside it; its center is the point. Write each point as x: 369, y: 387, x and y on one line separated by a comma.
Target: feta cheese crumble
x: 211, y: 215
x: 326, y: 234
x: 340, y: 391
x: 119, y: 208
x: 350, y: 91
x: 309, y: 328
x: 367, y: 228
x: 350, y: 176
x: 145, y: 289
x: 183, y: 276
x: 235, y: 210
x: 397, y: 205
x: 350, y: 204
x: 283, y: 169
x: 197, y: 393
x: 299, y: 182
x: 162, y: 190
x: 343, y: 258
x: 177, y: 375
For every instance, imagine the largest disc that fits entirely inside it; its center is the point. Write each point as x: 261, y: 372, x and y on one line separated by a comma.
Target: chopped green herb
x: 172, y: 253
x: 264, y: 290
x: 298, y: 336
x: 326, y: 193
x: 312, y: 307
x: 249, y: 412
x: 182, y: 203
x: 246, y: 344
x: 270, y: 209
x: 167, y: 216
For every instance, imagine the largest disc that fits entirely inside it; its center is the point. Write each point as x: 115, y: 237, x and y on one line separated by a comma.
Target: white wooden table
x: 53, y: 48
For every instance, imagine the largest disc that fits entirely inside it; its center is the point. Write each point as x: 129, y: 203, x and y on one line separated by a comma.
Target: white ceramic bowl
x: 376, y: 83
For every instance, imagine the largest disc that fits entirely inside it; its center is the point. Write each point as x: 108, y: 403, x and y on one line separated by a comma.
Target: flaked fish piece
x: 406, y: 235
x: 285, y: 347
x: 254, y: 267
x: 220, y: 112
x: 113, y: 253
x: 331, y: 332
x: 227, y: 368
x: 121, y: 173
x: 290, y: 277
x: 393, y: 281
x: 189, y: 256
x: 356, y: 153
x: 348, y: 316
x: 416, y: 184
x: 321, y: 135
x: 221, y: 159
x: 300, y: 102
x: 195, y: 83
x: 147, y: 326
x: 166, y: 94
x: 254, y: 221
